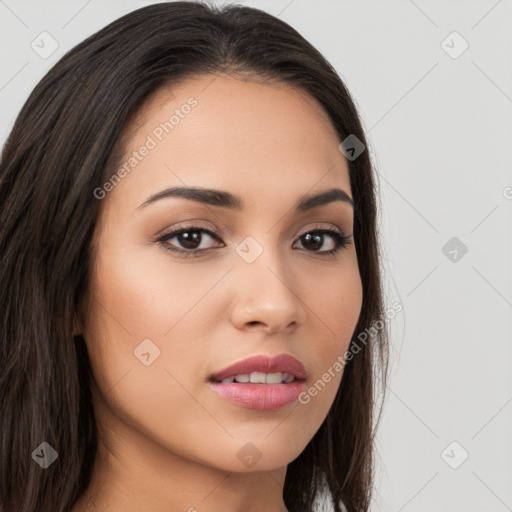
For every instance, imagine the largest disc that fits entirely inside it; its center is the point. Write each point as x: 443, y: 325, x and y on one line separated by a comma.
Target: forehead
x: 232, y: 133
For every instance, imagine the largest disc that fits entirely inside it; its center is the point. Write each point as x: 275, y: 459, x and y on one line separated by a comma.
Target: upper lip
x: 283, y: 363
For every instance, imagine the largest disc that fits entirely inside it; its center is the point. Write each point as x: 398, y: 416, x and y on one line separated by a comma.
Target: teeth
x: 256, y: 378
x: 261, y: 378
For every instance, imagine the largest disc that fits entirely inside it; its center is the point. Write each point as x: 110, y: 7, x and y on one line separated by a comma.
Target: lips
x: 260, y: 397
x: 283, y: 363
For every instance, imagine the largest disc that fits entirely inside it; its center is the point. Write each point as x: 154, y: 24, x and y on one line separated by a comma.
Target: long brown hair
x: 59, y: 151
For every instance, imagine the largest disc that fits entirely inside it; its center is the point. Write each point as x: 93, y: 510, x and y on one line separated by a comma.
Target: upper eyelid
x: 192, y: 227
x: 216, y: 234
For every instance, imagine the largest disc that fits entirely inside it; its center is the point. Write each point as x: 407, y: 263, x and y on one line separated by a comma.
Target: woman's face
x: 161, y: 322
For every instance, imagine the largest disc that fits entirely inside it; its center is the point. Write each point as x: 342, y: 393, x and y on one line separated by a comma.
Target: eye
x: 315, y: 240
x: 190, y: 239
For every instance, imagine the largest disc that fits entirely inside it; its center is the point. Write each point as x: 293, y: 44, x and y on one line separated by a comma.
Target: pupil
x: 317, y: 241
x: 190, y: 239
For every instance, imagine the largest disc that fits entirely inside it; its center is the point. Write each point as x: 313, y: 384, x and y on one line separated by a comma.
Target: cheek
x: 146, y: 310
x: 343, y: 310
x: 335, y: 300
x: 147, y: 295
x: 145, y: 343
x: 338, y: 307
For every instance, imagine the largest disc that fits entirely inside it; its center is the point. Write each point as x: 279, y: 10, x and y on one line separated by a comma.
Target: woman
x: 189, y: 254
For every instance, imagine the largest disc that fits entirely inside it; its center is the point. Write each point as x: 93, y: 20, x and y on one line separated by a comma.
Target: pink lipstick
x: 260, y: 382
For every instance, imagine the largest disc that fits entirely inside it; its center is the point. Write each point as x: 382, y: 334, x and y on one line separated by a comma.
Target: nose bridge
x: 260, y: 259
x: 265, y: 286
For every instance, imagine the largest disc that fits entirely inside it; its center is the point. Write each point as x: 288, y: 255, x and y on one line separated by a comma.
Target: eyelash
x: 341, y: 240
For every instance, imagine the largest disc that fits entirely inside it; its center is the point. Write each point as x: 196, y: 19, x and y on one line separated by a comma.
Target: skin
x: 167, y: 442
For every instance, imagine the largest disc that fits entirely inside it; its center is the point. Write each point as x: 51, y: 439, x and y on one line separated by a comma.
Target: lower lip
x: 262, y: 397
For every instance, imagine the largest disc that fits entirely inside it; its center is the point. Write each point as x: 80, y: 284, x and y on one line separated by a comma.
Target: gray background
x: 440, y: 132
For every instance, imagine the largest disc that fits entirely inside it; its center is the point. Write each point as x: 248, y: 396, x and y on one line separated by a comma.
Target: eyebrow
x: 225, y: 199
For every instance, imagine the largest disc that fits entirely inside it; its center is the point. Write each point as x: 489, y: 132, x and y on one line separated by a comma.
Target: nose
x: 266, y: 296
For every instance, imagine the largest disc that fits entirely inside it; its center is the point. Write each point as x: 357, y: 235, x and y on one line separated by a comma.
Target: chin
x: 258, y: 455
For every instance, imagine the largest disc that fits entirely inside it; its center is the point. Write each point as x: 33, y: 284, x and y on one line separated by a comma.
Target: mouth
x: 261, y: 383
x: 260, y: 378
x: 262, y: 369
